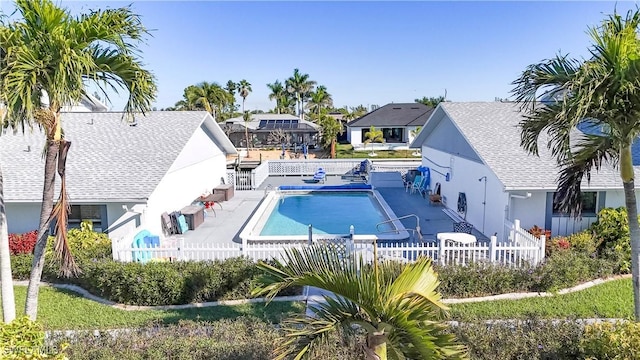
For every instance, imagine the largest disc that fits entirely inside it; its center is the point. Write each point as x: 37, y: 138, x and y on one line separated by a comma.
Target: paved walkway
x: 227, y: 223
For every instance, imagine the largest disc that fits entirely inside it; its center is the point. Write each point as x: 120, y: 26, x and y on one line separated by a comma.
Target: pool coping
x: 268, y: 202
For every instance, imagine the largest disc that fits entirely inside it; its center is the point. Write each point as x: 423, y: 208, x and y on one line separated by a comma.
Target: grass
x: 345, y: 151
x: 613, y: 299
x: 63, y: 309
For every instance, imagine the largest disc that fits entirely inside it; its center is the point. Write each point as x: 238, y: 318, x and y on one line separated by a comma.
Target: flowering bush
x: 22, y: 243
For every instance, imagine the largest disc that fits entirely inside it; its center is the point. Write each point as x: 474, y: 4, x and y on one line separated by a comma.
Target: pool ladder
x: 414, y: 232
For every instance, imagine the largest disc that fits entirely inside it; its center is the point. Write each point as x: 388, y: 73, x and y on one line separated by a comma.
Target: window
x: 263, y: 123
x: 95, y: 213
x: 589, y: 203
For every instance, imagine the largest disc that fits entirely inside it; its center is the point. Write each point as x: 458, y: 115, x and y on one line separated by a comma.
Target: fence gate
x: 243, y: 180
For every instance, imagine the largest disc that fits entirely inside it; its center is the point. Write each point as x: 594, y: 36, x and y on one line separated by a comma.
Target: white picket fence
x: 507, y: 254
x: 524, y: 239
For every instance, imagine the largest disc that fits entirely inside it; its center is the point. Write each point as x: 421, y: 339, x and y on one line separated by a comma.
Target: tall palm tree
x: 299, y: 85
x: 287, y: 105
x: 373, y: 136
x: 320, y: 99
x: 601, y: 90
x: 244, y: 88
x: 278, y: 93
x: 399, y: 309
x: 52, y: 52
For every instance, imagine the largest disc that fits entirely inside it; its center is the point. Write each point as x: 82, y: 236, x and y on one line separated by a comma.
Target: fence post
x: 493, y: 252
x: 441, y: 251
x: 352, y: 231
x: 542, y: 250
x: 181, y: 249
x: 253, y: 178
x: 310, y: 234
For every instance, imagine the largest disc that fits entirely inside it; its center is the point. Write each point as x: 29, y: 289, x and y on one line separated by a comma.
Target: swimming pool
x: 287, y: 213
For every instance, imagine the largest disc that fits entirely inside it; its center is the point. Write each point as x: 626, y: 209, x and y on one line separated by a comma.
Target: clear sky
x: 363, y: 52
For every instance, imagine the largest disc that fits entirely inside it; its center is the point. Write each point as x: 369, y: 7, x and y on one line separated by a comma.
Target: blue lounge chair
x: 320, y: 175
x: 144, y: 240
x: 418, y: 185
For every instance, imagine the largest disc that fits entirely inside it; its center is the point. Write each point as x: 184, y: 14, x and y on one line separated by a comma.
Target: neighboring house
x: 89, y: 103
x: 396, y: 121
x: 121, y: 176
x: 470, y: 147
x: 265, y: 129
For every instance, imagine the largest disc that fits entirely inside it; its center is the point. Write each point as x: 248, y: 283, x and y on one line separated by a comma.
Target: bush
x: 22, y: 243
x: 612, y: 341
x: 583, y: 241
x: 238, y: 339
x: 532, y: 339
x: 611, y: 232
x: 568, y: 268
x: 480, y: 279
x: 24, y: 339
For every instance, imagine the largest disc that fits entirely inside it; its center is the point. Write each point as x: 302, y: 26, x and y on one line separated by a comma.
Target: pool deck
x: 227, y: 223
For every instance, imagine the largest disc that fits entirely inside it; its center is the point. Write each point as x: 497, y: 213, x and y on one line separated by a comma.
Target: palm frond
x: 589, y: 154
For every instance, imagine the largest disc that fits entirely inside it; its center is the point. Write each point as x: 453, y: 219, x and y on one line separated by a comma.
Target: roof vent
x: 133, y: 123
x: 415, y: 108
x: 396, y: 108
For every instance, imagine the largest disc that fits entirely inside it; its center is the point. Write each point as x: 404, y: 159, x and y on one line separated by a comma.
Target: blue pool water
x: 328, y: 212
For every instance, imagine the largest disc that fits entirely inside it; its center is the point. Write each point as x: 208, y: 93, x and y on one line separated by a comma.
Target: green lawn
x: 345, y: 151
x: 63, y: 309
x: 613, y: 299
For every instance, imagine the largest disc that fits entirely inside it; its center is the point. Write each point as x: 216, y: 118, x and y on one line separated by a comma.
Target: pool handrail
x: 416, y: 230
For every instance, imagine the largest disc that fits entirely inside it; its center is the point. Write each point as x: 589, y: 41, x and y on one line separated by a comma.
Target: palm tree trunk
x: 627, y: 174
x: 8, y: 298
x: 50, y: 165
x: 333, y: 148
x: 634, y: 229
x: 376, y: 348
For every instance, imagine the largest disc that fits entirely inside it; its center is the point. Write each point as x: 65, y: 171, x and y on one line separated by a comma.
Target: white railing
x: 309, y: 167
x: 532, y: 248
x: 259, y: 175
x: 443, y: 252
x: 231, y: 177
x: 243, y: 180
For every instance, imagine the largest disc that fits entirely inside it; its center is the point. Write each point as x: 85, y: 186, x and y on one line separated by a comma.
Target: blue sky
x: 363, y: 52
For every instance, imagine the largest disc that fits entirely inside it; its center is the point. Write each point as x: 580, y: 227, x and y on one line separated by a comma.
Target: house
x: 474, y: 149
x: 397, y: 122
x: 88, y: 103
x: 121, y: 176
x: 271, y: 130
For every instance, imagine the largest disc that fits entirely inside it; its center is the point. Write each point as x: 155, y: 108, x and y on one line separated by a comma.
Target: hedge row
x: 250, y: 338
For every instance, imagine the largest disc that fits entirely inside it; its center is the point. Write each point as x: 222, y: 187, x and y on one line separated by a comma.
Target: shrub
x: 22, y: 243
x: 568, y: 268
x: 238, y: 339
x: 479, y: 279
x: 611, y: 231
x: 612, y: 341
x: 583, y: 241
x: 532, y: 339
x: 24, y: 339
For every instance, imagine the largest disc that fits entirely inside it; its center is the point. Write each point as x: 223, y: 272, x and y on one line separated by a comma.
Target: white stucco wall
x: 464, y: 178
x: 355, y: 136
x: 199, y: 167
x: 22, y: 217
x: 530, y: 211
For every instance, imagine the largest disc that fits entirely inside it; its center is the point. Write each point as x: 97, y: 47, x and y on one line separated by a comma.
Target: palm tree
x: 398, y: 308
x: 330, y: 130
x: 208, y: 96
x: 601, y: 90
x: 278, y: 92
x: 372, y: 136
x: 299, y: 85
x: 287, y: 105
x: 355, y: 113
x: 320, y: 99
x: 8, y: 298
x: 244, y: 88
x: 246, y: 116
x: 51, y: 53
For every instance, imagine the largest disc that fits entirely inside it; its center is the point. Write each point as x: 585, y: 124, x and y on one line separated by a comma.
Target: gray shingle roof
x: 492, y: 130
x: 108, y: 160
x: 403, y: 114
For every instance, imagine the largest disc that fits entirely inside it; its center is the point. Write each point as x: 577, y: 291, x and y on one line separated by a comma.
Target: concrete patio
x: 231, y: 216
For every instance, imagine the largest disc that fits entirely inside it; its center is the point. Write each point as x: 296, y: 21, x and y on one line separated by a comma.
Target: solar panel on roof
x: 263, y: 123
